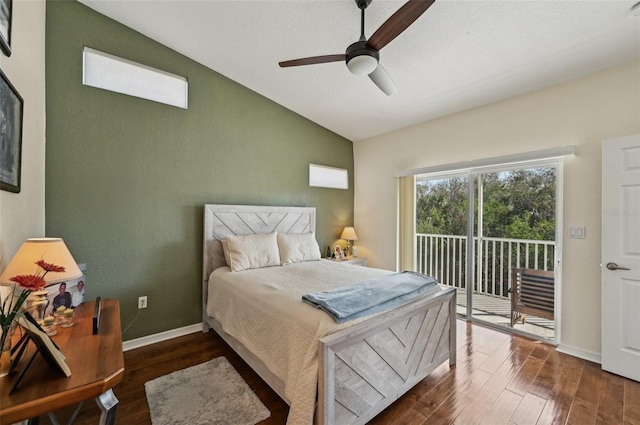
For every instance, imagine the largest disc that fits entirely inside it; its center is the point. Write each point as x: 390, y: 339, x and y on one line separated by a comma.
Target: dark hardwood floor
x: 498, y: 379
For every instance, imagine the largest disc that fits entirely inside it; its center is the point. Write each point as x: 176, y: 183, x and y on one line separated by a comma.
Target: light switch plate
x: 577, y: 232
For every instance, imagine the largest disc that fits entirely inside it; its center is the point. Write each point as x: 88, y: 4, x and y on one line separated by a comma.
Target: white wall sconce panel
x: 108, y: 72
x: 331, y: 177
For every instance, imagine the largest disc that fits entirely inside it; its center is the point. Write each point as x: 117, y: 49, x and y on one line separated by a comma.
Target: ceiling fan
x: 363, y: 57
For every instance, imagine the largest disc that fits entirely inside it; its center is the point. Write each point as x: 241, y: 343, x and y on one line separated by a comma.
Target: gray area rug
x: 211, y: 393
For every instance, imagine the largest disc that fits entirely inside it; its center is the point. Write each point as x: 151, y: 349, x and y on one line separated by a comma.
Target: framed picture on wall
x: 6, y: 7
x: 10, y: 135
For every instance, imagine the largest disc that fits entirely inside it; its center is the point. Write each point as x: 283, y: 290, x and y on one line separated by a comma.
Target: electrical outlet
x: 142, y: 302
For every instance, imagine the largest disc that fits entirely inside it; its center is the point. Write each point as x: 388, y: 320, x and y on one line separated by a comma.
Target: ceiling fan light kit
x: 363, y: 57
x: 362, y: 65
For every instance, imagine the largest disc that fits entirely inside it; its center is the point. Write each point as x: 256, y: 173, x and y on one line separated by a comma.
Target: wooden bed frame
x: 361, y: 369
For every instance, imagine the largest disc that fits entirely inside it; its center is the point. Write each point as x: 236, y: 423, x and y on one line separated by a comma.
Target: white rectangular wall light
x: 331, y: 177
x: 108, y: 72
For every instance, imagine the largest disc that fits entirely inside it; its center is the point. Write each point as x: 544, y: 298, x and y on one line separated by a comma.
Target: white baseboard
x: 592, y: 356
x: 162, y: 336
x: 131, y: 344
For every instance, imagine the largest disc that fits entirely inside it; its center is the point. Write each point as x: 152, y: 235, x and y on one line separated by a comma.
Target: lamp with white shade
x: 50, y: 250
x: 349, y: 234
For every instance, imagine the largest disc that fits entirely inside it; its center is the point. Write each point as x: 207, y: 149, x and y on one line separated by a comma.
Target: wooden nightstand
x: 356, y: 261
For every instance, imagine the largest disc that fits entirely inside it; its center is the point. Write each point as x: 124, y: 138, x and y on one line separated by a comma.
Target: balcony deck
x: 445, y: 258
x: 497, y: 310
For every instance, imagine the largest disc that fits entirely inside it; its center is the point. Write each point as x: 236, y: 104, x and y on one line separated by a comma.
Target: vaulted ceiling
x: 458, y: 55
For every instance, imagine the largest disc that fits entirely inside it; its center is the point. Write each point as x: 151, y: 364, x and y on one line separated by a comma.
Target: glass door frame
x: 472, y: 176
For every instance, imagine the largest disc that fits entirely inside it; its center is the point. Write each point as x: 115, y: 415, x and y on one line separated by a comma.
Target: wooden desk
x: 96, y: 363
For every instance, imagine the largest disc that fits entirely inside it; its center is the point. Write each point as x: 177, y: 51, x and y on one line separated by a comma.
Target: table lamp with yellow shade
x: 349, y: 234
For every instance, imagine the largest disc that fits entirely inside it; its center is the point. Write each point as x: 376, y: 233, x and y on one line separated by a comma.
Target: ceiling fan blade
x: 313, y: 60
x: 398, y: 22
x: 381, y: 78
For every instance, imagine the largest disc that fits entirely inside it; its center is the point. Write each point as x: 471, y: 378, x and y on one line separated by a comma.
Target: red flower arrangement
x: 48, y: 267
x: 28, y: 282
x: 34, y: 282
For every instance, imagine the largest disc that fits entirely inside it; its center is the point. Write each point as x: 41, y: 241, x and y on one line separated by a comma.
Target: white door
x: 621, y: 256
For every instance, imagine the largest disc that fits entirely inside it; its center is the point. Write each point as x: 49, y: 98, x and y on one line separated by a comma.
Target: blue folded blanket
x: 372, y: 296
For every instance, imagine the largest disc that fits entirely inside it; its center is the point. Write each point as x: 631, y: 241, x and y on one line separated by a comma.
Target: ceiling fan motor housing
x: 361, y: 58
x: 362, y: 4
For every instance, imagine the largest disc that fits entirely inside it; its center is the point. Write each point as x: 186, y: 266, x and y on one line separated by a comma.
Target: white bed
x: 358, y: 367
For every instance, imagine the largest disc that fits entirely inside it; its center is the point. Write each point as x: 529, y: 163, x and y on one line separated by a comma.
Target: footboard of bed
x: 366, y: 367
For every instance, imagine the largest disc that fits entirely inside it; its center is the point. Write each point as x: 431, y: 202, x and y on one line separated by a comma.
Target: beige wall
x: 581, y: 112
x: 22, y: 214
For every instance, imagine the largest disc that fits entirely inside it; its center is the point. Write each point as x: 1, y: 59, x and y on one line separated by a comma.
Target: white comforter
x: 262, y: 308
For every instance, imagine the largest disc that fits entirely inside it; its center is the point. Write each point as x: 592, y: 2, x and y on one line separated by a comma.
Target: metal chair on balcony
x: 532, y: 292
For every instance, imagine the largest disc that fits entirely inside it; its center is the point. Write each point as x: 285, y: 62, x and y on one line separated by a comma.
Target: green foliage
x: 442, y: 206
x: 516, y: 204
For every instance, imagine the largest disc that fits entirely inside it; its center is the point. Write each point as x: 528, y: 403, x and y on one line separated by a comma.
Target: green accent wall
x: 127, y: 178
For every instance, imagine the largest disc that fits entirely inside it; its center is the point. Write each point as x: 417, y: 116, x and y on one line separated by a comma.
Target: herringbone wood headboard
x: 222, y: 221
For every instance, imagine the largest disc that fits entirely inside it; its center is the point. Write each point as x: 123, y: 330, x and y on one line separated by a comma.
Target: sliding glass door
x: 512, y: 223
x: 441, y: 231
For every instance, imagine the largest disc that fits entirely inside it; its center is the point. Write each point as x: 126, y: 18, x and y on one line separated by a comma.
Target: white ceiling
x: 458, y: 55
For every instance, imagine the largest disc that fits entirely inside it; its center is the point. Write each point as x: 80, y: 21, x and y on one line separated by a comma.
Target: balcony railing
x: 444, y: 257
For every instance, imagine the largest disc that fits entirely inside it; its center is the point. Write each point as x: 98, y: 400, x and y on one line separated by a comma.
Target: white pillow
x: 253, y: 251
x: 225, y: 251
x: 298, y: 247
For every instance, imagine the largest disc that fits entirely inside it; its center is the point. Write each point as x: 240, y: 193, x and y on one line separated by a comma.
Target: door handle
x: 614, y: 266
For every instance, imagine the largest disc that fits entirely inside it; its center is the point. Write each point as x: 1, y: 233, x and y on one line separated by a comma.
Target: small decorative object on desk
x: 67, y: 318
x: 46, y: 347
x: 59, y: 314
x: 97, y: 311
x: 37, y: 304
x: 50, y: 325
